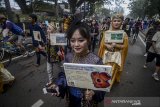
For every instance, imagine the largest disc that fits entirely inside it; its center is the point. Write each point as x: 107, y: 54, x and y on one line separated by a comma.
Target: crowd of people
x: 82, y: 40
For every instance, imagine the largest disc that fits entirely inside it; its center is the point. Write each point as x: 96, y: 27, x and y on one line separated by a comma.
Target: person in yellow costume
x: 5, y: 77
x: 118, y: 49
x: 66, y: 23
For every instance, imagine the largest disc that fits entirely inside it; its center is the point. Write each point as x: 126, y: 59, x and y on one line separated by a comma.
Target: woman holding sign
x: 54, y: 53
x: 114, y: 47
x: 79, y: 38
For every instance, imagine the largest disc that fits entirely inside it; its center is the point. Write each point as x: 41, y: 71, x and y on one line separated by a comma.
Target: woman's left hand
x: 89, y: 94
x: 59, y: 53
x: 113, y: 44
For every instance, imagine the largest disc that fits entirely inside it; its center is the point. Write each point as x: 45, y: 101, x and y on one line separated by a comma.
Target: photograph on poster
x: 114, y: 36
x: 88, y: 76
x: 37, y: 36
x: 58, y: 39
x: 57, y: 25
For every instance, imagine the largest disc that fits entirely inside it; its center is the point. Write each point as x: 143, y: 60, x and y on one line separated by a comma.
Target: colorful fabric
x: 53, y: 56
x: 116, y: 68
x: 112, y: 57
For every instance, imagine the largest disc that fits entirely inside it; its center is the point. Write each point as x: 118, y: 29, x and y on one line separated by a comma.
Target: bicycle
x: 134, y: 36
x: 8, y: 50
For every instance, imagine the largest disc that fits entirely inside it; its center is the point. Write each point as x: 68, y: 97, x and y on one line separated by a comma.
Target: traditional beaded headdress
x: 118, y: 16
x: 53, y: 26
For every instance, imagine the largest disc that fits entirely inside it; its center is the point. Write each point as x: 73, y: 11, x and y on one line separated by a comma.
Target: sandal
x: 52, y: 89
x: 62, y: 90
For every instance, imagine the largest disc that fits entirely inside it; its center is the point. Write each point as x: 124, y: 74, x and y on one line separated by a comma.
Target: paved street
x: 27, y: 89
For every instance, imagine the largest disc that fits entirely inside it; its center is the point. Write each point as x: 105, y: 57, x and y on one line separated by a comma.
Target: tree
x: 152, y: 7
x: 72, y: 4
x: 76, y: 3
x: 105, y: 12
x: 29, y: 6
x: 26, y: 9
x: 8, y: 8
x: 2, y: 9
x: 141, y: 8
x: 137, y: 8
x: 56, y: 6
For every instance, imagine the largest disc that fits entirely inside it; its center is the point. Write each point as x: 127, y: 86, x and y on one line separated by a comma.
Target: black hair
x: 128, y: 19
x: 83, y: 29
x: 33, y: 16
x: 96, y: 24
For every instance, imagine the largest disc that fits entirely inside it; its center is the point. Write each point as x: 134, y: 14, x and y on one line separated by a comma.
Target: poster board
x: 88, y: 76
x: 58, y: 39
x: 114, y: 36
x: 37, y: 36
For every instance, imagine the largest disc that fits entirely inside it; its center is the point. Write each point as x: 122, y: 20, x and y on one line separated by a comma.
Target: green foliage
x: 142, y: 8
x: 153, y: 8
x: 42, y: 6
x: 105, y: 12
x: 2, y: 9
x: 76, y: 3
x: 137, y: 8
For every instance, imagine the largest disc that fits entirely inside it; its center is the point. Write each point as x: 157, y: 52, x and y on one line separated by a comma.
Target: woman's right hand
x: 109, y: 47
x: 113, y: 44
x: 37, y: 49
x: 89, y: 94
x: 55, y: 87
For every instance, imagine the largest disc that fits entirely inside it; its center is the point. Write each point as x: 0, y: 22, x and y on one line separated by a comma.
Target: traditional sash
x: 112, y: 57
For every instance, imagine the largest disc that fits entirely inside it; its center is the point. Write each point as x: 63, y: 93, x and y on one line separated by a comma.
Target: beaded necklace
x: 77, y: 58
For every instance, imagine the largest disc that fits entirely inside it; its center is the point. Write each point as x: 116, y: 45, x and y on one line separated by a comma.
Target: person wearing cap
x: 118, y: 50
x: 38, y: 38
x: 8, y: 26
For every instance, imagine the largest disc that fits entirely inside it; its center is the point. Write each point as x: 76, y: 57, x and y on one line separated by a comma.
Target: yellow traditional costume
x: 117, y: 57
x: 5, y: 77
x: 66, y: 24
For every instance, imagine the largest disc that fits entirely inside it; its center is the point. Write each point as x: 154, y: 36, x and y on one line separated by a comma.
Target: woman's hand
x: 55, y: 87
x: 113, y: 44
x: 59, y: 53
x: 89, y: 94
x: 109, y: 47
